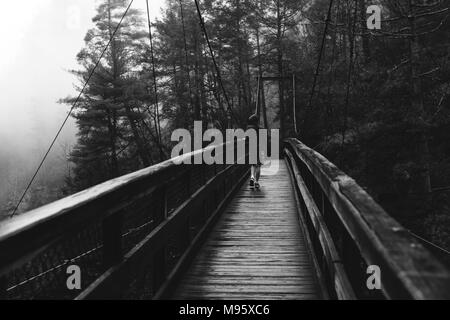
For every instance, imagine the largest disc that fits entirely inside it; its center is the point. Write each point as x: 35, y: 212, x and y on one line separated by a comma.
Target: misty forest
x: 374, y: 102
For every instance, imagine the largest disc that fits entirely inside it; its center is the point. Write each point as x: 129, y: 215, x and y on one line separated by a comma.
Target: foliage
x: 379, y: 110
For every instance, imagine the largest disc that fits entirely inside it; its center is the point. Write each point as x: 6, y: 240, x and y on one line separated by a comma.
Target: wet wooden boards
x: 257, y: 249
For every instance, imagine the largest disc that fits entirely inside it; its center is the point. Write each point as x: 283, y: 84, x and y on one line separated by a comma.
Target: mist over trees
x: 20, y: 153
x: 110, y: 116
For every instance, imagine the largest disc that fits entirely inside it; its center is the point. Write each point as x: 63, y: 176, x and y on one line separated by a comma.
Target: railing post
x: 185, y: 234
x: 161, y: 211
x: 112, y: 239
x: 112, y: 250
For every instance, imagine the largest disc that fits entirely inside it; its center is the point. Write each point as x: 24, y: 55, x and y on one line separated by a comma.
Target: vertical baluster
x: 185, y: 234
x: 112, y: 251
x: 159, y: 258
x: 161, y: 213
x: 112, y: 239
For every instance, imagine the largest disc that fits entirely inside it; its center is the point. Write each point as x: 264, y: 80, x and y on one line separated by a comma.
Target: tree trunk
x: 137, y: 139
x: 280, y: 68
x: 186, y: 57
x: 203, y: 103
x: 197, y: 108
x: 365, y: 35
x: 261, y: 88
x: 112, y: 115
x: 114, y: 168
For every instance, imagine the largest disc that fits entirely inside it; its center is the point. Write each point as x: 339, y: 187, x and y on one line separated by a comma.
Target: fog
x: 40, y: 40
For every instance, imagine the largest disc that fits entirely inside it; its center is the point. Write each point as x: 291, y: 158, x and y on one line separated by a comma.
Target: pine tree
x: 109, y: 112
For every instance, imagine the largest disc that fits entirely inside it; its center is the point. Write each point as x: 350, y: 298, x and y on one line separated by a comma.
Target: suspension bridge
x: 174, y: 231
x: 199, y: 232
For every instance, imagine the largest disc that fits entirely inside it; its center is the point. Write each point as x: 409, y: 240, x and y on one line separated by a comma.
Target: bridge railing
x: 130, y: 236
x: 349, y: 231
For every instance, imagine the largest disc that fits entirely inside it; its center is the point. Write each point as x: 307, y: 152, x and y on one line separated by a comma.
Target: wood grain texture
x: 257, y: 249
x: 410, y: 271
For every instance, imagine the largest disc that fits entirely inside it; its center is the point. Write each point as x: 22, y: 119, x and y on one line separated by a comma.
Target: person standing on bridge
x: 255, y: 169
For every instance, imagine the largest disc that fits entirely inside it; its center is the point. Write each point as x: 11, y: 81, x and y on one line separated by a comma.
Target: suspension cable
x: 155, y: 86
x: 219, y: 77
x: 322, y: 47
x: 71, y: 110
x: 332, y: 78
x: 349, y: 78
x: 187, y: 69
x: 428, y: 242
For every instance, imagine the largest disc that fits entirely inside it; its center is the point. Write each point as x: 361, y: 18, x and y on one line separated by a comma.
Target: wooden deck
x: 257, y: 249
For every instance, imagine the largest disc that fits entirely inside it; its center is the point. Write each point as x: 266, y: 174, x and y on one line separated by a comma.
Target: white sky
x: 39, y: 43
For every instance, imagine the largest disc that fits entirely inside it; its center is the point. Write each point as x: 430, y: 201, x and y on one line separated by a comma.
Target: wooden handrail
x: 28, y: 241
x: 348, y: 229
x: 343, y: 213
x: 26, y: 233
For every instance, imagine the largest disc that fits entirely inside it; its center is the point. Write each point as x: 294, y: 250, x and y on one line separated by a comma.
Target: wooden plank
x: 256, y: 251
x: 266, y: 256
x: 243, y: 281
x: 184, y: 261
x: 254, y: 296
x: 244, y: 289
